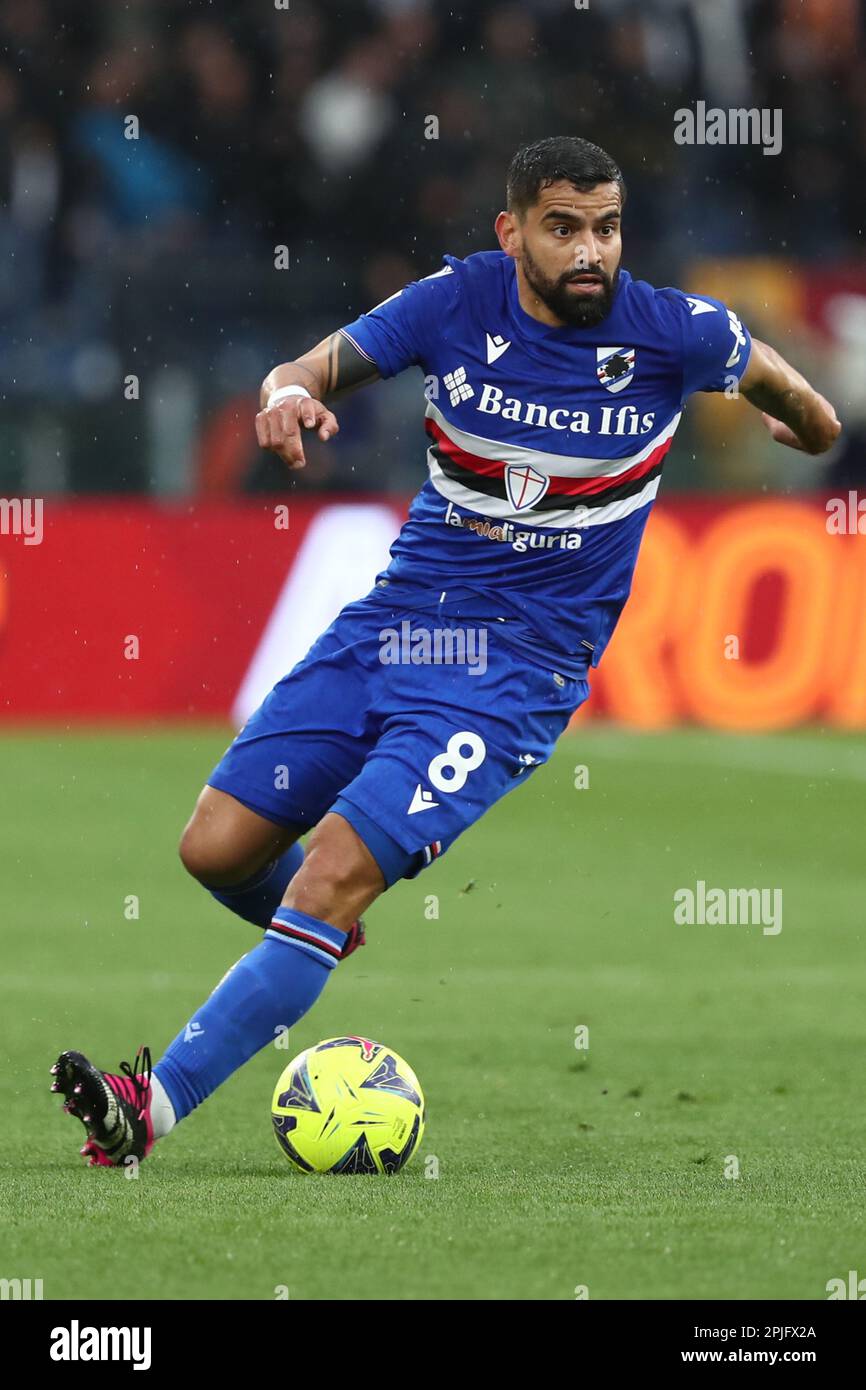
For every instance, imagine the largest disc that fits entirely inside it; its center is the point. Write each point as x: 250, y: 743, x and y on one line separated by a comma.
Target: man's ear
x: 507, y: 228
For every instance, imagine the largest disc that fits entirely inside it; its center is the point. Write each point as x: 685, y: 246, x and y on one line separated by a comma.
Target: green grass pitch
x: 558, y: 1168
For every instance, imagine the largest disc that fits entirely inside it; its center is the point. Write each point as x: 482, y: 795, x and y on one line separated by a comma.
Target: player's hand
x: 280, y: 427
x: 783, y: 434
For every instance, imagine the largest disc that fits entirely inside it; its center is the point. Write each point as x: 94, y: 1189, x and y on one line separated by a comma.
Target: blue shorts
x: 409, y: 733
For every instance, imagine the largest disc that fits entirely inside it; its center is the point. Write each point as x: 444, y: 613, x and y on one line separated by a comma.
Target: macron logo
x: 421, y: 801
x: 496, y: 346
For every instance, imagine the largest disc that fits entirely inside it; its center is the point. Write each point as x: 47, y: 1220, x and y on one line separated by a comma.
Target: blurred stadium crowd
x: 306, y: 126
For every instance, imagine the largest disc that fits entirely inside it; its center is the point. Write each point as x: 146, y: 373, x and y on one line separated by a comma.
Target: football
x: 348, y: 1105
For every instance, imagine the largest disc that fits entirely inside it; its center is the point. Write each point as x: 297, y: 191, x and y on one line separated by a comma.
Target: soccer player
x: 554, y: 384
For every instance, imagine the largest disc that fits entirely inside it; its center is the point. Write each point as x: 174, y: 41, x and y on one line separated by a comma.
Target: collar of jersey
x: 534, y: 328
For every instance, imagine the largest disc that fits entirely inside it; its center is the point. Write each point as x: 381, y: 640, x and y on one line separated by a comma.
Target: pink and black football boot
x: 355, y: 937
x: 115, y: 1110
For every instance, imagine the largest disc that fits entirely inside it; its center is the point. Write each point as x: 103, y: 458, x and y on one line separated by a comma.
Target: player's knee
x: 196, y: 854
x: 207, y: 858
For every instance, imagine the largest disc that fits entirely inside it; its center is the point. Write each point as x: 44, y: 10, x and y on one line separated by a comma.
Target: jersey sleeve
x: 715, y: 344
x: 396, y: 333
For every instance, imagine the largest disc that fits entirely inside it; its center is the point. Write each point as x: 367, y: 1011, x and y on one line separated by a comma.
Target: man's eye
x: 562, y: 227
x: 609, y: 229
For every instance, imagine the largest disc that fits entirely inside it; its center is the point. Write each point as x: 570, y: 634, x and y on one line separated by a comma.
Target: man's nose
x: 586, y: 256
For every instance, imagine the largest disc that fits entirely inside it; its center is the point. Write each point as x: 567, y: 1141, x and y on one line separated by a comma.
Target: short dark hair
x: 559, y: 157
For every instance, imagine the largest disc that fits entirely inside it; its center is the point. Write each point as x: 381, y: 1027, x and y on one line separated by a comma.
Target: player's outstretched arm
x: 793, y: 411
x: 332, y: 368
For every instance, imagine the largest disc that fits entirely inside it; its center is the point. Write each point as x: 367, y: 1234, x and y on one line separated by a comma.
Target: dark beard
x: 572, y: 309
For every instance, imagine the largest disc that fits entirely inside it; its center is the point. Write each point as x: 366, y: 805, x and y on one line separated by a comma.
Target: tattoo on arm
x: 786, y: 404
x: 332, y: 368
x: 312, y: 381
x: 332, y: 362
x: 780, y: 390
x: 347, y: 367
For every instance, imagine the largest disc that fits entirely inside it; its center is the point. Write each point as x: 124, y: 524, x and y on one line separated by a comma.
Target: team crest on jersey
x: 525, y: 485
x: 615, y: 367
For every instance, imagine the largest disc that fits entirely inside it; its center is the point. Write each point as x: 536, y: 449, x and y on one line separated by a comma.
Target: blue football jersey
x: 545, y: 445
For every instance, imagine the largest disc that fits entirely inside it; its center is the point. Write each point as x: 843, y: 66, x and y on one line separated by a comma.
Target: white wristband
x: 282, y: 393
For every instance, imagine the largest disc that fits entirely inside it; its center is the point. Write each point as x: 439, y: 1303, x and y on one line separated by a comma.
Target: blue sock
x: 270, y: 988
x: 257, y: 898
